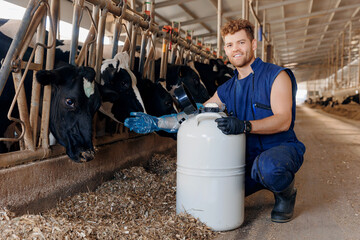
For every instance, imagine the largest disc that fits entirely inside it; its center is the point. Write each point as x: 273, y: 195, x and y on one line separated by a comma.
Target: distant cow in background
x: 352, y: 98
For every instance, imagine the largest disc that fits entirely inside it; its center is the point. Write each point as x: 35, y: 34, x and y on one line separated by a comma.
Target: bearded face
x: 239, y: 49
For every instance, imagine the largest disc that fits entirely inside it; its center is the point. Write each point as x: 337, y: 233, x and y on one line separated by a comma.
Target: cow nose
x: 87, y: 156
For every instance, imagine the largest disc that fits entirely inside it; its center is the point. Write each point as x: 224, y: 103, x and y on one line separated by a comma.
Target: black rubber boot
x: 284, y: 204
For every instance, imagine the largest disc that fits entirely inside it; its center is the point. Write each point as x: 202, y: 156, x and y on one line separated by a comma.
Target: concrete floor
x: 328, y: 201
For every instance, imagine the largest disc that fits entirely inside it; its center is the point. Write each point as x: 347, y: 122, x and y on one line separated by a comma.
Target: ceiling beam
x: 191, y: 14
x: 279, y: 33
x: 323, y: 12
x: 303, y: 50
x: 280, y: 4
x: 314, y: 35
x: 238, y: 13
x: 295, y: 45
x: 170, y: 3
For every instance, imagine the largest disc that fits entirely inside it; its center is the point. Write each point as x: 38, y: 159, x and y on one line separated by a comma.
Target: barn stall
x: 36, y: 177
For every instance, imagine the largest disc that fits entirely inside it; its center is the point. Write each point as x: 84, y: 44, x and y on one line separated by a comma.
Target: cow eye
x: 70, y: 102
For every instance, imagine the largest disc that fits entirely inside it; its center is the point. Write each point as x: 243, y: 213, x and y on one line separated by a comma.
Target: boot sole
x: 281, y: 220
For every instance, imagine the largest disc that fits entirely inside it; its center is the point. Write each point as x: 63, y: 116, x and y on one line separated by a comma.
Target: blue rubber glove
x: 199, y: 105
x: 142, y: 123
x: 231, y: 125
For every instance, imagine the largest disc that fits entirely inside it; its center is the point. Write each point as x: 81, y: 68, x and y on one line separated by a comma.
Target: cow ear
x: 213, y: 62
x: 160, y: 80
x: 220, y: 62
x: 45, y: 77
x: 88, y: 73
x: 181, y: 71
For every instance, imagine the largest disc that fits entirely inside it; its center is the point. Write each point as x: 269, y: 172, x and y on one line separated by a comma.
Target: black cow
x: 222, y: 70
x: 157, y: 100
x: 69, y: 105
x: 74, y: 100
x: 124, y: 94
x: 352, y: 98
x: 177, y: 74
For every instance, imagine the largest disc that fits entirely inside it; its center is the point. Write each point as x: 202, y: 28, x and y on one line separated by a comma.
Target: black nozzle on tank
x: 184, y: 100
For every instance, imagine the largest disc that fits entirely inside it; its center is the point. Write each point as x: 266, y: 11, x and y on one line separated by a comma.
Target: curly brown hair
x: 234, y: 26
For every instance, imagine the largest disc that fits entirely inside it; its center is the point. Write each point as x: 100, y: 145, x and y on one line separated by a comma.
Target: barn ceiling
x: 303, y: 33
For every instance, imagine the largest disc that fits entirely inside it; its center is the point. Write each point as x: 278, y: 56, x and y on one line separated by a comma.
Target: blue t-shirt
x: 249, y: 99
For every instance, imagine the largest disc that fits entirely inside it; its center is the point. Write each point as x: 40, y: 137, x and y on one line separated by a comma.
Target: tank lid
x: 211, y: 107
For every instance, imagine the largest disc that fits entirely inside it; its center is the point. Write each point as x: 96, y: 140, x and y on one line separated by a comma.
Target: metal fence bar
x: 16, y: 43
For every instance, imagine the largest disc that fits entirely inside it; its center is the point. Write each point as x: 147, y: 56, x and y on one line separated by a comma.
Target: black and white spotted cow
x: 177, y: 74
x: 118, y: 87
x: 74, y: 100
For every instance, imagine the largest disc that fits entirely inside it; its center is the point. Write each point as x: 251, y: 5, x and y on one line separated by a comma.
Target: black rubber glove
x: 230, y: 125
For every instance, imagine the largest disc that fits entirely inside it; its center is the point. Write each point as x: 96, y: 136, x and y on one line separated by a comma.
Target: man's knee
x: 271, y: 172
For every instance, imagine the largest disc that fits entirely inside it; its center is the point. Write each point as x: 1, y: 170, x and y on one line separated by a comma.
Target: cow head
x: 157, y: 100
x: 222, y: 71
x: 74, y: 100
x: 118, y: 86
x: 177, y: 74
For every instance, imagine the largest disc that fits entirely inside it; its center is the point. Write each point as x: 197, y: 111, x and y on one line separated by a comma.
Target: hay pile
x: 349, y: 111
x: 140, y: 203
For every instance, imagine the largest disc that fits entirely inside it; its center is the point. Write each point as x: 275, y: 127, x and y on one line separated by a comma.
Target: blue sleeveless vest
x: 249, y: 99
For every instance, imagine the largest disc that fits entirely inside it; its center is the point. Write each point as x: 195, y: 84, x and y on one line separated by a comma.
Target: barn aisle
x: 328, y: 202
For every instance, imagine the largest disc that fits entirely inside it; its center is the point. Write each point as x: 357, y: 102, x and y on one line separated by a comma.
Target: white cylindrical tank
x: 210, y: 172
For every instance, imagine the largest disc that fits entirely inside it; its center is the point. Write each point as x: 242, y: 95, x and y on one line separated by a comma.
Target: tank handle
x: 206, y: 116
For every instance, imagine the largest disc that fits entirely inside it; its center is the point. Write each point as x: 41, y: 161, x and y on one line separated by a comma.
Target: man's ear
x: 254, y: 44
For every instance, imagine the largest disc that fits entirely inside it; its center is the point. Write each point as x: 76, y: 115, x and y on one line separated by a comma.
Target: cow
x: 142, y: 95
x: 352, y: 98
x: 223, y: 71
x: 177, y: 74
x: 72, y: 102
x: 124, y: 95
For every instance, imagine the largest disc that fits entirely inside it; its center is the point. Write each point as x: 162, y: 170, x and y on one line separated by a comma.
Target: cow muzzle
x: 86, y: 156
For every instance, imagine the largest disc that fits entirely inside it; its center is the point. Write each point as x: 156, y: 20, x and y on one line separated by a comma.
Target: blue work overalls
x: 273, y: 159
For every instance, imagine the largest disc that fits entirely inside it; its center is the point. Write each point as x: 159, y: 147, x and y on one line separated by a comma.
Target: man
x: 260, y: 100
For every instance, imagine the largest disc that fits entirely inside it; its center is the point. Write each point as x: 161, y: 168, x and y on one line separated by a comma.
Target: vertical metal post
x: 151, y: 74
x: 50, y: 60
x: 342, y: 57
x: 263, y: 39
x: 358, y: 81
x: 15, y: 44
x: 245, y: 9
x: 332, y: 66
x: 142, y: 53
x: 78, y: 4
x: 336, y: 62
x: 219, y: 23
x: 36, y: 87
x: 100, y: 43
x: 163, y: 59
x: 92, y: 50
x: 349, y: 61
x: 133, y: 46
x: 256, y: 33
x: 117, y: 32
